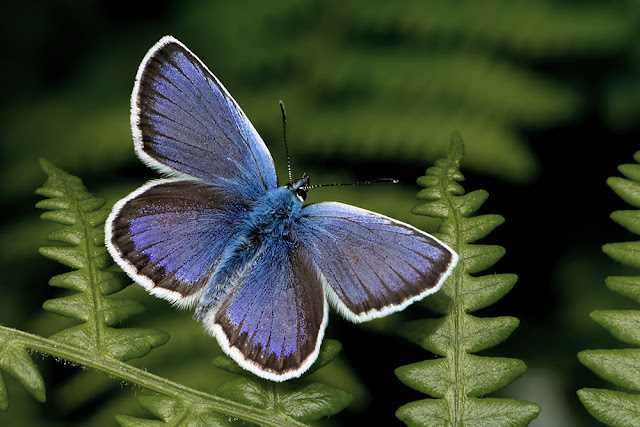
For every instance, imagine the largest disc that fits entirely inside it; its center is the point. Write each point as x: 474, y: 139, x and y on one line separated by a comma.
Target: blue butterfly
x: 221, y: 235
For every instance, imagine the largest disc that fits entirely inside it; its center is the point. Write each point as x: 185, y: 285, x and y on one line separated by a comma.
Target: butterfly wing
x: 373, y: 265
x: 170, y: 235
x: 184, y: 121
x: 273, y: 323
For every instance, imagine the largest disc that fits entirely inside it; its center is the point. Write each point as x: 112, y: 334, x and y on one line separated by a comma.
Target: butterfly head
x: 299, y: 188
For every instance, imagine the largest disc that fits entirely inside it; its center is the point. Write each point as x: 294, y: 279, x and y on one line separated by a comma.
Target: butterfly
x: 218, y: 233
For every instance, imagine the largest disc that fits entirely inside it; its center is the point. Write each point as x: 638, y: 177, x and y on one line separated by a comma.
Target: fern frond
x: 619, y: 366
x: 459, y: 379
x: 93, y: 303
x: 300, y: 399
x: 398, y: 77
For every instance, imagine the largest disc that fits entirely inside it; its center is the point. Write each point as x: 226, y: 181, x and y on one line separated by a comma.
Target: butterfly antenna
x: 284, y: 131
x: 375, y: 181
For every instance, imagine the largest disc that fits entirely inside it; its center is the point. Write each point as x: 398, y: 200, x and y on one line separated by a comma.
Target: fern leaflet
x: 15, y: 361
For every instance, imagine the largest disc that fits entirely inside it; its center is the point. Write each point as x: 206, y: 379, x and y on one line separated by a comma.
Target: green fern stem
x: 131, y: 374
x: 456, y: 279
x: 443, y: 186
x: 92, y: 269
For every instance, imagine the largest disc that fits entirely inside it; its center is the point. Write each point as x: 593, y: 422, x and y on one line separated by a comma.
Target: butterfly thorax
x: 274, y: 216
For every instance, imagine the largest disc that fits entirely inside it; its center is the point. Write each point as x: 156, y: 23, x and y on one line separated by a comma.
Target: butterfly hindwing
x: 185, y: 121
x: 273, y: 323
x: 169, y: 235
x: 373, y: 265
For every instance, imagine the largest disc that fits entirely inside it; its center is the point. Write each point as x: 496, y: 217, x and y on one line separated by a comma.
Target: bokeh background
x: 546, y: 95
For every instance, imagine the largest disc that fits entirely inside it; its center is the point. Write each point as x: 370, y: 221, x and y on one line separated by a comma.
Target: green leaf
x: 477, y: 412
x: 301, y: 401
x: 458, y: 378
x: 478, y: 227
x: 613, y: 408
x: 94, y: 303
x: 296, y: 398
x: 15, y: 361
x: 489, y: 374
x: 416, y: 413
x: 499, y: 412
x: 477, y: 258
x: 431, y: 377
x: 627, y: 253
x: 130, y: 343
x: 483, y: 333
x: 619, y: 366
x: 248, y: 391
x: 486, y: 290
x: 627, y: 286
x: 468, y: 204
x: 479, y: 333
x: 628, y: 219
x: 310, y: 402
x: 173, y: 412
x: 631, y: 171
x: 628, y: 190
x: 624, y: 325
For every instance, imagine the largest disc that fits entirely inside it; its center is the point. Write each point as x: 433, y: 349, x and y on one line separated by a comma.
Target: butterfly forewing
x: 185, y: 121
x: 373, y: 265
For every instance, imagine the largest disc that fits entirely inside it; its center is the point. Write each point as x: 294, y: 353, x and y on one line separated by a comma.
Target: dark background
x: 545, y: 94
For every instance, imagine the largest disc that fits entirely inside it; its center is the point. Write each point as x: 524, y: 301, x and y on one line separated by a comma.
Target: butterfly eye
x: 301, y: 194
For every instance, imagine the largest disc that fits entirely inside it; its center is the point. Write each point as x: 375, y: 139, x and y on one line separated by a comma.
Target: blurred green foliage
x: 545, y: 92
